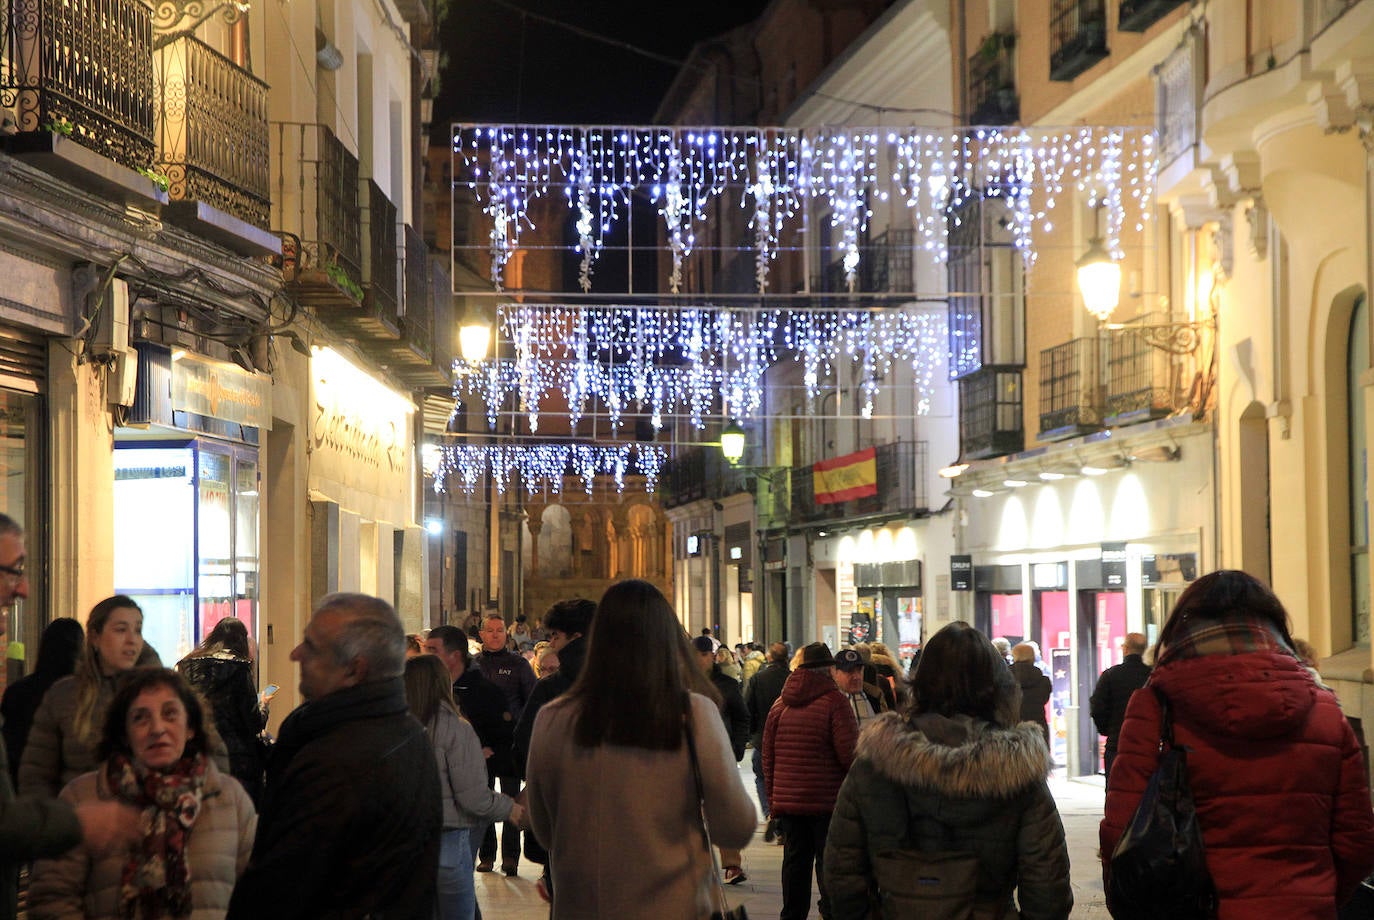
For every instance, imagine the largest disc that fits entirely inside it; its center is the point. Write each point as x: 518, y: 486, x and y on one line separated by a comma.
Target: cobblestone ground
x: 1080, y: 805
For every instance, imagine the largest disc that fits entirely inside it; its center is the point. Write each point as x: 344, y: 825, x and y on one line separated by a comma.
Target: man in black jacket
x: 1113, y: 692
x: 735, y: 715
x: 764, y: 688
x: 567, y: 622
x: 351, y: 815
x: 512, y: 674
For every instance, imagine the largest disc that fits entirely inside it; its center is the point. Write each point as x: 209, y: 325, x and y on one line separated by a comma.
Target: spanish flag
x: 841, y: 479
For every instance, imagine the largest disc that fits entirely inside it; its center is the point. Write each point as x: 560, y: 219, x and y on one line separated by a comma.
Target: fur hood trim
x: 978, y: 760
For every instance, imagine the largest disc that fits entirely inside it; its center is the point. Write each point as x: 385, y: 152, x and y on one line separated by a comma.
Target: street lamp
x: 732, y: 443
x: 474, y: 335
x: 1099, y: 280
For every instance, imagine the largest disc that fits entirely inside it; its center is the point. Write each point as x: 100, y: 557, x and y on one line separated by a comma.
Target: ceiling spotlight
x: 986, y: 492
x: 1103, y: 465
x: 1015, y: 483
x: 953, y: 470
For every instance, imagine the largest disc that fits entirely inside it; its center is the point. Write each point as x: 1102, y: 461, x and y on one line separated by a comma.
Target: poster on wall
x: 908, y: 626
x: 861, y: 623
x: 1060, y: 700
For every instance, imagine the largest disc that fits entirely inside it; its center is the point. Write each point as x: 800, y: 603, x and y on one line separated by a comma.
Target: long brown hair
x: 962, y: 673
x: 88, y: 673
x: 428, y: 688
x: 637, y: 672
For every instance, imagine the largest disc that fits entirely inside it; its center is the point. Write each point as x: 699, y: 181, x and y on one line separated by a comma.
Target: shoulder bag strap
x: 717, y: 885
x: 1166, y: 720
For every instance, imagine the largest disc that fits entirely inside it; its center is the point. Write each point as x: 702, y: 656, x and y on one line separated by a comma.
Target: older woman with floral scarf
x: 198, y: 822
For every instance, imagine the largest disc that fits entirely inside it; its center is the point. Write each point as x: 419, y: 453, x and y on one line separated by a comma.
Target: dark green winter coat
x: 952, y: 784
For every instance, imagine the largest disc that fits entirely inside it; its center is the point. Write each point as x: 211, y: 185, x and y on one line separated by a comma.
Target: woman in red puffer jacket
x: 1277, y: 776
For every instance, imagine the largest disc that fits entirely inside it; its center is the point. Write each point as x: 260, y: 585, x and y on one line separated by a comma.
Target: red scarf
x: 157, y: 878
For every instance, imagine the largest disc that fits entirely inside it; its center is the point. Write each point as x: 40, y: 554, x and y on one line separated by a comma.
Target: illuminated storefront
x: 1075, y: 561
x: 189, y: 450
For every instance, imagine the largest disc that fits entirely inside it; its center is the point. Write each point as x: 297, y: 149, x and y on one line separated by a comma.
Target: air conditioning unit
x: 110, y: 335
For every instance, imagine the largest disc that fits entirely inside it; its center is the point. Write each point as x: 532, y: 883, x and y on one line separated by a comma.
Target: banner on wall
x: 961, y: 573
x: 861, y: 622
x: 842, y: 479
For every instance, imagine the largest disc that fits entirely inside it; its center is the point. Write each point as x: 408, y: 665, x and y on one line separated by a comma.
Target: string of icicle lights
x: 541, y: 467
x: 775, y: 172
x: 695, y: 361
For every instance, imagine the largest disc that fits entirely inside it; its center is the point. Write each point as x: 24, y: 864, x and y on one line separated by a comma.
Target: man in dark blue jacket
x: 351, y: 815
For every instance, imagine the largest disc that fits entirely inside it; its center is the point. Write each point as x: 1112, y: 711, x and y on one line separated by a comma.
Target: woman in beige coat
x: 198, y: 822
x: 611, y: 794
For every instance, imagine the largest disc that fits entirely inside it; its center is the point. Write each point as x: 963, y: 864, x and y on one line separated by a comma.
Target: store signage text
x: 961, y: 573
x: 376, y: 442
x: 216, y: 390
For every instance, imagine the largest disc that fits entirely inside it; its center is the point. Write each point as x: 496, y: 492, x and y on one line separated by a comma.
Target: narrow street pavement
x: 1080, y: 805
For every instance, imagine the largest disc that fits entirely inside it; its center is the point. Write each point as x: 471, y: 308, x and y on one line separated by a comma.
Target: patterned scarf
x: 157, y: 879
x: 1238, y: 634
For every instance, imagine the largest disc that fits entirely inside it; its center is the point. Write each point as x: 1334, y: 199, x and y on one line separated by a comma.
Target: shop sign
x: 357, y: 418
x: 1113, y: 565
x: 217, y: 390
x: 961, y: 573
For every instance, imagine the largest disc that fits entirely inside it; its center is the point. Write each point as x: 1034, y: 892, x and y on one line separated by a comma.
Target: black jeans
x: 510, y: 833
x: 803, y: 849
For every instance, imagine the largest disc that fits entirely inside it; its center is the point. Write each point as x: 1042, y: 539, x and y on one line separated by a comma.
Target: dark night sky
x: 565, y: 78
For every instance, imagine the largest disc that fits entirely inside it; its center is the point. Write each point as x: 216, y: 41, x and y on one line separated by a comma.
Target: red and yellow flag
x: 841, y: 479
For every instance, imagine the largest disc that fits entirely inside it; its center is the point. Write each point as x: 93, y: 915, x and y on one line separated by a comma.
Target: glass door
x: 195, y: 562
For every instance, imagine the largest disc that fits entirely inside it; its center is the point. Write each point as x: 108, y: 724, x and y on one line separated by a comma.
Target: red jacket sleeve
x: 1352, y: 824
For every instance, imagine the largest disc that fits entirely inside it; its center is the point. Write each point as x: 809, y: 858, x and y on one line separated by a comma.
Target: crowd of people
x: 152, y: 792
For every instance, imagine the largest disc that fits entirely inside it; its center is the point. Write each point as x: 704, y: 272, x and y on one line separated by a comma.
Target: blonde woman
x: 67, y: 725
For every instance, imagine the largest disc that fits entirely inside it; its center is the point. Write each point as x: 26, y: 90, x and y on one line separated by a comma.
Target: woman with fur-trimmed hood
x: 953, y: 773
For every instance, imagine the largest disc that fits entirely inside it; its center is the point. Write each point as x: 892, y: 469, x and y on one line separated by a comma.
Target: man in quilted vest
x: 808, y: 746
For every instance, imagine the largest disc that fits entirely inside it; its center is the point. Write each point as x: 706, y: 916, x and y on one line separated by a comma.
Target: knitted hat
x: 848, y: 660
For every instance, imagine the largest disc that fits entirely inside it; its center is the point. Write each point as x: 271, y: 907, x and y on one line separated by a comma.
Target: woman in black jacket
x: 57, y: 653
x: 220, y: 669
x: 954, y: 773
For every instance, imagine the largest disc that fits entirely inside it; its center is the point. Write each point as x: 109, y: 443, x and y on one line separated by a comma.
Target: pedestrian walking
x: 808, y: 746
x: 220, y: 669
x: 1113, y: 691
x: 611, y: 790
x: 469, y: 804
x: 1278, y: 780
x: 514, y: 677
x: 954, y: 773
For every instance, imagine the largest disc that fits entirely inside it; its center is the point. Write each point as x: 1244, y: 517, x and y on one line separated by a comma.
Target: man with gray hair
x: 351, y: 815
x: 33, y: 827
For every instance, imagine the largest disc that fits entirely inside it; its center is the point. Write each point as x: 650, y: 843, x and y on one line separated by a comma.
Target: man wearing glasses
x: 31, y: 827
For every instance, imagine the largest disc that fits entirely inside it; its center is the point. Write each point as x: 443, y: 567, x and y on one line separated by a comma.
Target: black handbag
x: 724, y: 911
x: 1159, y: 867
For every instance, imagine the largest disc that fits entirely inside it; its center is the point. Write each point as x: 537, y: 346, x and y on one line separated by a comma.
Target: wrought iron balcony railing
x: 699, y: 473
x: 991, y: 420
x: 1146, y: 377
x: 417, y: 319
x: 1070, y: 389
x: 381, y: 264
x: 83, y: 68
x: 1078, y: 36
x: 316, y: 207
x: 992, y: 95
x: 212, y: 135
x: 901, y: 469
